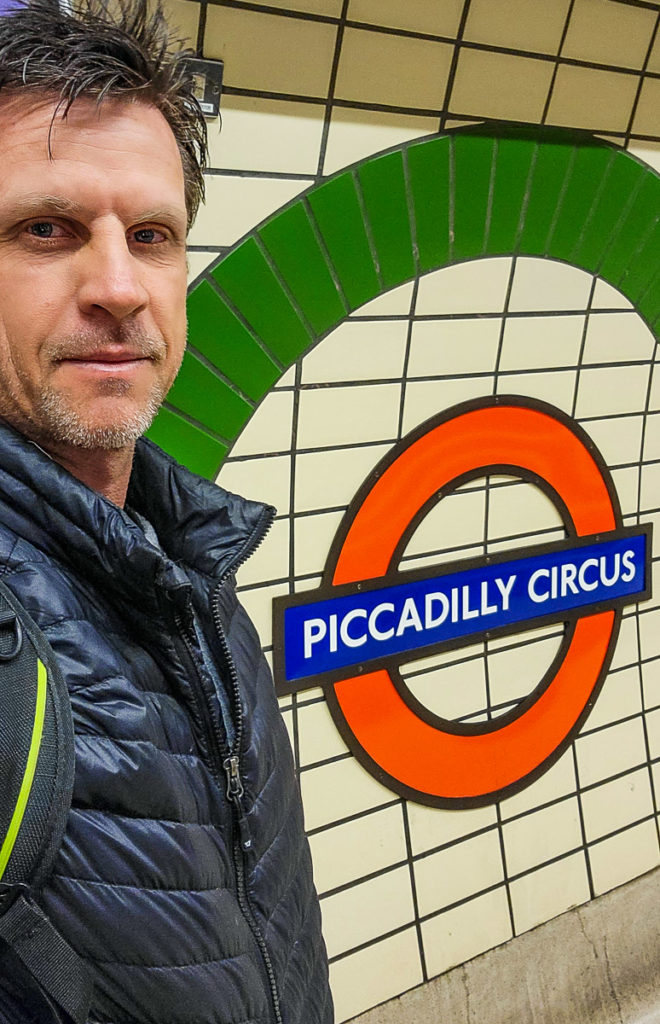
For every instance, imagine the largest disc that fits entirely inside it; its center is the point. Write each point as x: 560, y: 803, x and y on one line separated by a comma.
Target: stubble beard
x: 60, y: 422
x: 54, y: 418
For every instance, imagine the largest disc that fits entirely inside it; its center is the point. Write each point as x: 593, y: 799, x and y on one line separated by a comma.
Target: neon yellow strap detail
x: 30, y: 768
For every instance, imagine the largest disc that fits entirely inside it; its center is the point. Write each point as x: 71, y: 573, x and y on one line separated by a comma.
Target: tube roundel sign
x: 367, y: 618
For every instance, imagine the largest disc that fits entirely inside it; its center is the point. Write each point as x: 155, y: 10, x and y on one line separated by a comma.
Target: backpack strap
x: 36, y: 783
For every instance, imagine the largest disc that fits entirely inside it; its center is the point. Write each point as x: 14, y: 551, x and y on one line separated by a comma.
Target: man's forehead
x: 32, y: 110
x: 37, y: 138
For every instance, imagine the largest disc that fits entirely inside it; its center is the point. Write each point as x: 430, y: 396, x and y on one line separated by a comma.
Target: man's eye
x: 42, y: 229
x: 147, y: 236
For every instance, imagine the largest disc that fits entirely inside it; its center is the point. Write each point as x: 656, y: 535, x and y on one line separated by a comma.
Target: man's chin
x: 62, y: 426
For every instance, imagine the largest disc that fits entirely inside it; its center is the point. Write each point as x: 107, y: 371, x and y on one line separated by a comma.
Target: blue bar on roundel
x: 334, y: 633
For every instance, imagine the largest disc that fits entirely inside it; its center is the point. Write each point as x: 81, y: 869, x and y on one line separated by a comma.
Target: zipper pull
x: 234, y: 793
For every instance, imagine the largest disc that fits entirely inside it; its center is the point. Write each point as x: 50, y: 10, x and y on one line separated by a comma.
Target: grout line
x: 329, y: 101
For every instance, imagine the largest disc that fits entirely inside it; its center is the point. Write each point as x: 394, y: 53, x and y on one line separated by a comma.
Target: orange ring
x: 422, y: 758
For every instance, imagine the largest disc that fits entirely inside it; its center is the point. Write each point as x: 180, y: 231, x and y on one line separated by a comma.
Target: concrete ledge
x: 596, y: 964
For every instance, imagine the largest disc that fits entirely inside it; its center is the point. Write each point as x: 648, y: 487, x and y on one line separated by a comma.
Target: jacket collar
x: 200, y: 526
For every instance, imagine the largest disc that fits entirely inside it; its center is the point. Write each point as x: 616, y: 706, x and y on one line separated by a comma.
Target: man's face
x: 92, y: 270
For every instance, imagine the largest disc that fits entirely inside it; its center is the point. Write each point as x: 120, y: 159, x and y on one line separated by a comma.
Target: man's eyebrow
x: 39, y: 204
x: 28, y: 205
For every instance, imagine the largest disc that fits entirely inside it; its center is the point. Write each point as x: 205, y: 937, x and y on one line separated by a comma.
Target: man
x: 184, y: 879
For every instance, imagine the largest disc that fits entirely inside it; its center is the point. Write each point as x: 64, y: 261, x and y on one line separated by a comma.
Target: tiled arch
x: 417, y: 208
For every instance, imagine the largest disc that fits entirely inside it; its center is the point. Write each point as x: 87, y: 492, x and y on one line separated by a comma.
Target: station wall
x: 504, y: 250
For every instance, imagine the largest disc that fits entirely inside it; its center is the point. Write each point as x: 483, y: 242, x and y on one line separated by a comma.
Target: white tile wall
x: 280, y: 125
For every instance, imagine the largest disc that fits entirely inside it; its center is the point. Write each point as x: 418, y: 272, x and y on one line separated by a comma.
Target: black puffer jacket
x: 184, y: 917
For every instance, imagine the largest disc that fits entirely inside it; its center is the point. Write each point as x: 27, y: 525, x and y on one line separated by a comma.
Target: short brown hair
x: 101, y: 50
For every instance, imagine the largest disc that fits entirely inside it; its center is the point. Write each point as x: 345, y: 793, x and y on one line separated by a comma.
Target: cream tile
x: 618, y: 337
x: 591, y: 98
x: 288, y: 378
x: 426, y: 398
x: 556, y: 388
x: 288, y: 721
x: 501, y: 85
x: 256, y: 48
x: 618, y: 440
x: 453, y: 347
x: 651, y: 683
x: 462, y: 933
x: 518, y: 24
x: 329, y: 479
x: 654, y: 61
x: 330, y: 8
x: 451, y: 692
x: 604, y: 754
x: 366, y: 63
x: 604, y: 391
x: 475, y: 287
x: 538, y: 341
x: 339, y: 790
x: 234, y: 205
x: 183, y: 19
x: 451, y: 657
x: 269, y: 429
x: 646, y: 117
x: 541, y: 836
x: 260, y: 134
x: 540, y: 284
x: 619, y: 698
x: 616, y: 804
x: 459, y: 871
x: 356, y: 134
x: 423, y: 399
x: 367, y: 910
x: 522, y: 508
x: 626, y: 483
x: 654, y: 600
x: 415, y: 15
x: 357, y: 351
x: 539, y: 633
x: 513, y: 543
x: 558, y: 781
x: 654, y: 398
x: 650, y: 486
x: 648, y: 152
x: 515, y: 673
x: 434, y: 560
x: 626, y: 652
x: 198, y: 262
x: 318, y: 738
x: 548, y: 892
x: 653, y: 733
x: 313, y: 537
x: 652, y: 437
x: 435, y: 826
x: 375, y: 974
x: 362, y: 846
x: 623, y: 857
x: 264, y: 479
x: 455, y: 520
x: 258, y: 603
x: 607, y: 297
x: 396, y: 302
x: 607, y: 33
x: 270, y: 562
x: 348, y: 415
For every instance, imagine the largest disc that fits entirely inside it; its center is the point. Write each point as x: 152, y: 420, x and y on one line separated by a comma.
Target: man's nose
x: 110, y: 277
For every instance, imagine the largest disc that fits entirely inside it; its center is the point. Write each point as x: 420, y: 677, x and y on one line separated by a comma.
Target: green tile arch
x: 489, y: 190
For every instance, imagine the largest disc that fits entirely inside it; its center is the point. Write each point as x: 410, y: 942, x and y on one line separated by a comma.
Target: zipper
x: 235, y: 791
x: 229, y: 757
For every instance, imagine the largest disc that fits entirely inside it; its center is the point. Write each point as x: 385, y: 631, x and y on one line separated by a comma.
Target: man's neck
x: 104, y: 470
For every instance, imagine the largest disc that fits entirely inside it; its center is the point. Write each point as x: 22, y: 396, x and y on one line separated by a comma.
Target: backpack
x: 36, y: 784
